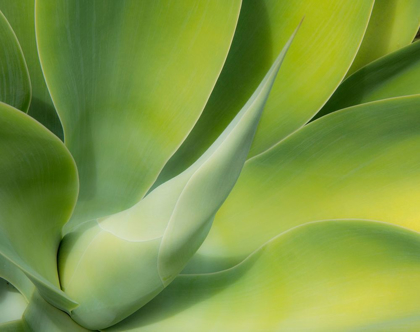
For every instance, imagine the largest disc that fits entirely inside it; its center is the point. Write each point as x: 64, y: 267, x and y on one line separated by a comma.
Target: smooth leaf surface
x: 318, y: 60
x: 12, y: 303
x: 15, y: 86
x: 129, y: 80
x: 360, y: 162
x: 326, y: 276
x: 21, y: 15
x: 393, y: 75
x: 146, y: 246
x: 393, y: 25
x: 38, y: 192
x: 15, y: 276
x: 41, y: 316
x: 14, y: 326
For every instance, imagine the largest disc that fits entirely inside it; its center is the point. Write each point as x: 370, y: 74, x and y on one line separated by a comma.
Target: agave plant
x: 139, y: 190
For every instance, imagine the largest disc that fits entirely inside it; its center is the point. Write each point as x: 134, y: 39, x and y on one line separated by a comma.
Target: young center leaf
x: 114, y: 265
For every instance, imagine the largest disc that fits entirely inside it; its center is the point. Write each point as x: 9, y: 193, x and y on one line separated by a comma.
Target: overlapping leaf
x: 393, y: 75
x: 347, y: 275
x: 361, y: 162
x: 141, y: 250
x: 393, y: 25
x: 129, y: 79
x: 15, y: 276
x: 15, y: 87
x: 42, y: 316
x: 319, y: 59
x: 21, y: 15
x: 12, y: 303
x: 37, y: 195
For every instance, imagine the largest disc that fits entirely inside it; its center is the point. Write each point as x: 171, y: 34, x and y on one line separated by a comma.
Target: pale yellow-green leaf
x: 396, y: 74
x: 129, y: 79
x: 361, y: 162
x: 393, y: 24
x: 318, y: 60
x: 12, y: 303
x: 346, y: 275
x: 114, y: 265
x: 38, y: 192
x: 40, y: 316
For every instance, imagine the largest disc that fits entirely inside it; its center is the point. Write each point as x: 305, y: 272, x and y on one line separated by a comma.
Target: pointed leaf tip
x: 158, y: 235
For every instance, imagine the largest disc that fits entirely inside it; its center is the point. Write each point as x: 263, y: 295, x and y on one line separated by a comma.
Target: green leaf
x: 347, y: 275
x: 14, y: 326
x: 21, y: 15
x: 361, y: 162
x: 15, y: 86
x: 129, y: 80
x: 12, y: 303
x: 393, y: 75
x: 38, y: 192
x: 41, y: 316
x: 393, y: 24
x: 15, y: 276
x: 319, y: 59
x: 115, y: 265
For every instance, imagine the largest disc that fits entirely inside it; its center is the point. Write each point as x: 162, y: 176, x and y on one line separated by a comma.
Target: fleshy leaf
x: 331, y: 34
x: 16, y: 277
x: 21, y: 15
x: 115, y: 265
x: 393, y: 24
x: 42, y: 316
x: 12, y: 303
x: 361, y: 162
x: 38, y: 192
x: 15, y: 86
x: 14, y: 326
x: 129, y: 80
x: 347, y: 275
x: 393, y: 75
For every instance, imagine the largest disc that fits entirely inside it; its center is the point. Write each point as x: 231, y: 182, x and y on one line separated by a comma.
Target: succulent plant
x: 212, y: 165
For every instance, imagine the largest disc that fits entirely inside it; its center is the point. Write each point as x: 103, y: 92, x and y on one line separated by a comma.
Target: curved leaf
x: 15, y: 86
x: 393, y: 75
x: 361, y: 162
x: 41, y: 316
x: 12, y: 303
x: 15, y: 276
x: 319, y: 59
x: 129, y: 80
x: 14, y: 326
x: 325, y: 276
x: 145, y: 247
x: 37, y: 194
x: 21, y: 15
x: 393, y: 25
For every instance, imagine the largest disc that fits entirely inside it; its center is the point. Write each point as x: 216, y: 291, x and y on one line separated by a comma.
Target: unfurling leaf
x: 129, y: 80
x: 114, y: 265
